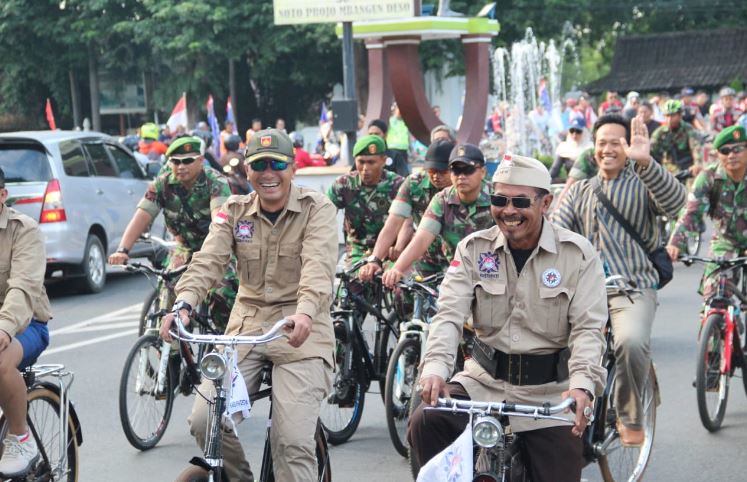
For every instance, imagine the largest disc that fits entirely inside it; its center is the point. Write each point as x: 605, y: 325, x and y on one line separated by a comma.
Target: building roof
x: 699, y: 59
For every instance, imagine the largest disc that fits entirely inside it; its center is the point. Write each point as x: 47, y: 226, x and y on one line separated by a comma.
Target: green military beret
x: 272, y: 143
x: 730, y: 135
x: 186, y: 147
x: 370, y: 145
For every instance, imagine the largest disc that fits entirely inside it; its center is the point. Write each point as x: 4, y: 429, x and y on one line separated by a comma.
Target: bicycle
x: 720, y: 349
x: 602, y: 443
x: 357, y: 365
x: 154, y: 371
x: 215, y: 367
x: 402, y: 371
x: 52, y: 422
x: 497, y: 452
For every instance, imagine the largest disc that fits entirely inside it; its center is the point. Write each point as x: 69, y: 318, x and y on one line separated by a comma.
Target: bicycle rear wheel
x: 144, y: 411
x: 401, y: 377
x: 342, y: 410
x: 44, y: 417
x: 620, y: 463
x: 712, y: 386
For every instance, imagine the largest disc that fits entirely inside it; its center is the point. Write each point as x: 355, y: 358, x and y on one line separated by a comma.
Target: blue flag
x: 323, y: 114
x: 213, y: 123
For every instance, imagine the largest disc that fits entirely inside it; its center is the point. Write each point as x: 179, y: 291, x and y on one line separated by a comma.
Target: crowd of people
x: 525, y: 269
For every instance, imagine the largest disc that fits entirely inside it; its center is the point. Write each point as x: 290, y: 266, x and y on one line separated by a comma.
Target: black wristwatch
x: 375, y: 260
x: 588, y: 394
x: 123, y: 250
x: 182, y: 305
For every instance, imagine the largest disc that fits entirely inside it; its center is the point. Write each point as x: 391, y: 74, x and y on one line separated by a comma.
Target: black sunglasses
x: 261, y: 165
x: 459, y: 169
x: 726, y: 150
x: 575, y: 131
x: 184, y: 160
x: 519, y: 202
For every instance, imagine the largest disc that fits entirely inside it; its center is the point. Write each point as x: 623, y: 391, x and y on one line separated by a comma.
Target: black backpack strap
x: 616, y: 214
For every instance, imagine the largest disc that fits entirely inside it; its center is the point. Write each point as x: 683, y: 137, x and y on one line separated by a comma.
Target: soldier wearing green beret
x: 188, y: 193
x: 365, y: 194
x: 720, y: 192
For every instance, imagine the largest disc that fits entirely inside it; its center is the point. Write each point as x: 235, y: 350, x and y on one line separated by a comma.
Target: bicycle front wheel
x: 342, y: 410
x: 711, y: 386
x: 401, y: 377
x: 58, y: 462
x: 144, y: 410
x: 618, y: 462
x: 150, y: 306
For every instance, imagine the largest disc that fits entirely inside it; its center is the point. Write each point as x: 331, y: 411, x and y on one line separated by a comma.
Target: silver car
x: 82, y: 188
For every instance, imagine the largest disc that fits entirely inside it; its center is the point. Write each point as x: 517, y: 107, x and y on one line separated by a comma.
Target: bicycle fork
x: 213, y: 444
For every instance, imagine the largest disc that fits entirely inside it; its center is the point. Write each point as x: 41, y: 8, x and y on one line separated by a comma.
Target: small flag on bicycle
x: 239, y: 405
x: 453, y: 464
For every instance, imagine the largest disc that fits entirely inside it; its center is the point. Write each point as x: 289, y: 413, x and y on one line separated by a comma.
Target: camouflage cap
x: 272, y: 143
x: 730, y: 135
x: 186, y: 147
x: 672, y: 107
x: 370, y: 145
x: 467, y: 154
x: 437, y: 156
x: 522, y: 171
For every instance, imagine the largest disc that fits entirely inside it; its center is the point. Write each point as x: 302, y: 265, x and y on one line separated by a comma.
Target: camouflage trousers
x: 220, y: 298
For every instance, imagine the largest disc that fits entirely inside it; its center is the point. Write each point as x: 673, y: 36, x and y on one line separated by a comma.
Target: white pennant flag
x: 239, y: 405
x: 452, y: 464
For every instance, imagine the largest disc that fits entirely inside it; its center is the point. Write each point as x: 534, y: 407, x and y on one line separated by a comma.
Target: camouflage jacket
x: 448, y: 218
x: 676, y: 149
x: 412, y: 200
x: 365, y: 208
x: 187, y: 212
x: 585, y: 165
x: 729, y: 216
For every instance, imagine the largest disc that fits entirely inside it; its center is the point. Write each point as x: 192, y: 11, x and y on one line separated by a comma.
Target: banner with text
x: 289, y: 12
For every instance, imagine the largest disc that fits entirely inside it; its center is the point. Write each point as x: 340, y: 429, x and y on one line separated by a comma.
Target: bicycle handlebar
x: 544, y: 412
x: 721, y: 262
x: 161, y: 273
x: 225, y: 340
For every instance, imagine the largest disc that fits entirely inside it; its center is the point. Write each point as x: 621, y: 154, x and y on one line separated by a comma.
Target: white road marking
x: 91, y: 341
x: 130, y: 312
x: 103, y: 327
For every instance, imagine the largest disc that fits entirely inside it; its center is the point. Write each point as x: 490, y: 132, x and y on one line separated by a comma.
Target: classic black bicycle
x: 155, y: 371
x: 215, y: 367
x: 52, y: 422
x: 358, y: 364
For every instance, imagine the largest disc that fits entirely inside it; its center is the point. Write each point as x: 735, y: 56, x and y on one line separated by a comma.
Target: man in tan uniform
x: 24, y: 312
x: 534, y: 291
x: 285, y: 240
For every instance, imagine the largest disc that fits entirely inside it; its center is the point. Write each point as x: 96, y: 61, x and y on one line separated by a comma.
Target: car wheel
x: 93, y: 267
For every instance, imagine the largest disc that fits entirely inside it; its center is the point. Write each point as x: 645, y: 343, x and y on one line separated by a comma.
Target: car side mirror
x: 152, y: 169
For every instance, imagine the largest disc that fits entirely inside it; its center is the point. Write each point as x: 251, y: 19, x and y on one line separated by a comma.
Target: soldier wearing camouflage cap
x: 676, y: 144
x: 285, y: 240
x: 719, y: 192
x: 533, y: 290
x: 452, y: 214
x: 188, y: 193
x: 365, y: 194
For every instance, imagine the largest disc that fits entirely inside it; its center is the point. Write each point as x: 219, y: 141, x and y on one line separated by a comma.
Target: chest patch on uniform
x: 551, y: 277
x: 244, y: 230
x: 488, y: 265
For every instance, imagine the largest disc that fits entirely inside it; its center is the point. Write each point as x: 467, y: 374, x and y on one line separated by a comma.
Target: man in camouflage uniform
x: 720, y: 191
x: 412, y: 201
x: 188, y: 193
x: 676, y: 144
x: 365, y: 194
x: 453, y: 213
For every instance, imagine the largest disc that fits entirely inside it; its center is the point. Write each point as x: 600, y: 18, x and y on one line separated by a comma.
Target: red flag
x: 179, y: 114
x: 50, y: 115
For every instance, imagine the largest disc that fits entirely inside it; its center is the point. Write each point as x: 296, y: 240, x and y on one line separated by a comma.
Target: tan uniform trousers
x: 297, y: 391
x: 631, y: 325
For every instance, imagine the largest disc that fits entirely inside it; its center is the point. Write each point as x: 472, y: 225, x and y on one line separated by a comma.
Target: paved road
x: 92, y: 334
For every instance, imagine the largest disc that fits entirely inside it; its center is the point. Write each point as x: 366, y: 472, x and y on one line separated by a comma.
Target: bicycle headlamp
x: 487, y: 432
x: 213, y: 366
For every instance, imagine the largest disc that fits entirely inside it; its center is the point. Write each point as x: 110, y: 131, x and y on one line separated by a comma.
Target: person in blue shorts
x: 24, y: 313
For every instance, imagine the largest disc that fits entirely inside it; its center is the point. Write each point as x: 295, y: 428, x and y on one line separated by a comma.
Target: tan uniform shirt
x: 558, y: 300
x: 23, y: 263
x: 284, y: 269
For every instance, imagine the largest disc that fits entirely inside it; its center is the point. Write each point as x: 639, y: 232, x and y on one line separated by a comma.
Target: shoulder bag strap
x: 616, y: 214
